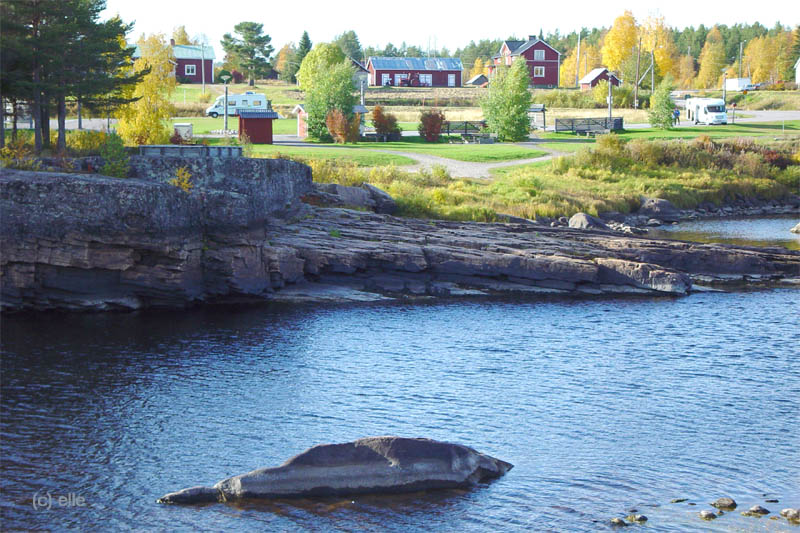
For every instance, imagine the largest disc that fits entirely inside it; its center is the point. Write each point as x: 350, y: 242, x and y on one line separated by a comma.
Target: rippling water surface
x: 602, y: 405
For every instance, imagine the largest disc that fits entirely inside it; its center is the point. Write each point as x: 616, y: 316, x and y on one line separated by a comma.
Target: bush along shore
x: 700, y: 178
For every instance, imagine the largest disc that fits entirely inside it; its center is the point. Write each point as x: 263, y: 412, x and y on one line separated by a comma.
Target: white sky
x: 445, y: 23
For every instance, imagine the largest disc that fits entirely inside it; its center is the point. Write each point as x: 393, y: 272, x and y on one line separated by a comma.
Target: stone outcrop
x: 84, y: 242
x: 584, y: 221
x: 660, y: 209
x: 366, y: 196
x: 370, y: 465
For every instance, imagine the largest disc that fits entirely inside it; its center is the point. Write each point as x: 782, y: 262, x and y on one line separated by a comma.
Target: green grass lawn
x: 347, y: 154
x: 201, y: 126
x: 744, y: 129
x: 478, y: 153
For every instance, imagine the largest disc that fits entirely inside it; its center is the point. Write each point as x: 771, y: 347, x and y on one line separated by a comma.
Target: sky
x: 420, y: 22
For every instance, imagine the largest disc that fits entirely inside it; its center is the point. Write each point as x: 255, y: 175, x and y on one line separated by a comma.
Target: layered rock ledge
x: 72, y: 241
x: 364, y: 466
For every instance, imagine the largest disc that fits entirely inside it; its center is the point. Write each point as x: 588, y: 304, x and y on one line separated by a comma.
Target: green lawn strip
x: 477, y: 153
x: 201, y: 126
x: 361, y: 157
x: 744, y: 129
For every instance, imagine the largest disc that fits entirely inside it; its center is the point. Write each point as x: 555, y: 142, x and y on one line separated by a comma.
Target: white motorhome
x: 706, y: 110
x: 248, y: 100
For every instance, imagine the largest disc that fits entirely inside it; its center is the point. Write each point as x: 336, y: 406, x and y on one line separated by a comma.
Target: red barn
x: 543, y: 60
x: 415, y: 71
x: 595, y: 76
x: 257, y: 125
x: 191, y: 62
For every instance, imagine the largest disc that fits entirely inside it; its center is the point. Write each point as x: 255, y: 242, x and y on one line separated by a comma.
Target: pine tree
x: 303, y: 48
x: 251, y: 50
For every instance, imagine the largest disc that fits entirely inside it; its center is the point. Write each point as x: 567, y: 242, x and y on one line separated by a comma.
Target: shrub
x: 430, y: 124
x: 385, y: 123
x: 662, y: 108
x: 341, y: 129
x: 182, y: 179
x: 115, y: 159
x: 85, y: 142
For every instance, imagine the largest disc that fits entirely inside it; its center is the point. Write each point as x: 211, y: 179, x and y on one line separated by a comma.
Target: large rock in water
x: 660, y: 209
x: 369, y: 465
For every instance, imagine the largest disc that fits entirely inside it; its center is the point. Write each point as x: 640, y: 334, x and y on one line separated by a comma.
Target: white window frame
x: 538, y: 55
x: 398, y: 78
x: 190, y: 70
x: 385, y: 79
x: 538, y: 72
x: 426, y: 80
x: 451, y: 80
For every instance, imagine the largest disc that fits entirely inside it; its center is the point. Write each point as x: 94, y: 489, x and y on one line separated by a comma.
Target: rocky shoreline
x: 93, y: 243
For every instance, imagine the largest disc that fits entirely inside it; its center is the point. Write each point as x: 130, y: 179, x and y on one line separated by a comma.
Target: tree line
x: 55, y: 50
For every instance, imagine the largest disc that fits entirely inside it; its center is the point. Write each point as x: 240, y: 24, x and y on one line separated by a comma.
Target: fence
x: 589, y: 125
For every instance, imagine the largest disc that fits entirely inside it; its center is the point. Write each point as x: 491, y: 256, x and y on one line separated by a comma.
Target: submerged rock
x: 707, y: 515
x: 638, y: 518
x: 791, y: 514
x: 369, y: 465
x: 618, y: 522
x: 756, y: 510
x: 725, y: 503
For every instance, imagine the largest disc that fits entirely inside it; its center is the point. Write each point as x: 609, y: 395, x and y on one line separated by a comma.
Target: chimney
x: 531, y: 37
x: 172, y: 42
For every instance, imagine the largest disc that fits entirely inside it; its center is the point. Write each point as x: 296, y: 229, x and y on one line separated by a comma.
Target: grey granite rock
x: 364, y: 466
x: 584, y: 221
x: 660, y: 209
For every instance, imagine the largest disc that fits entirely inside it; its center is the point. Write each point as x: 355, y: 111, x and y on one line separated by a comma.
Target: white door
x: 426, y: 79
x: 398, y: 78
x: 384, y: 79
x: 451, y: 80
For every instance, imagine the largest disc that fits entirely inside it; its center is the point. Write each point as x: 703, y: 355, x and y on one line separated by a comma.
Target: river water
x: 602, y: 405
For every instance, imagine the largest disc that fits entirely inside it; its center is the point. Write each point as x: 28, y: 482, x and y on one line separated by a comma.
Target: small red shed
x: 595, y: 76
x: 257, y: 125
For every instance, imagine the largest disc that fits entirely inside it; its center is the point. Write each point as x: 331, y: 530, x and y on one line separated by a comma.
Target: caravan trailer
x: 706, y: 110
x: 249, y: 101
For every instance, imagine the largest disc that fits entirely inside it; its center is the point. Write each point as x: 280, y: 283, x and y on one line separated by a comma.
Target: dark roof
x: 477, y: 80
x: 257, y: 113
x: 415, y: 63
x: 358, y: 65
x: 517, y: 47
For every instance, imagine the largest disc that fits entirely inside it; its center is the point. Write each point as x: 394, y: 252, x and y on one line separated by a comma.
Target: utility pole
x: 609, y: 100
x: 653, y: 70
x: 636, y: 88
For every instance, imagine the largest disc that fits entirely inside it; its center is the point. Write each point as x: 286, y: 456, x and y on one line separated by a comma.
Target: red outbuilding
x: 257, y: 125
x: 595, y: 76
x: 543, y: 60
x: 414, y: 71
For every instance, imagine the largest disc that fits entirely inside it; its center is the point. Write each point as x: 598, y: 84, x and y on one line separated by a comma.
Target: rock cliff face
x: 72, y: 241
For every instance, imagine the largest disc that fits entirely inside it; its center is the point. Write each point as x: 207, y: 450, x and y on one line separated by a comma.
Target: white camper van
x: 706, y: 110
x: 248, y: 100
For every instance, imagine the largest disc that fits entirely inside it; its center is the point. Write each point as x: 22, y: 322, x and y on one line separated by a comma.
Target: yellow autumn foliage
x: 620, y: 41
x: 146, y: 120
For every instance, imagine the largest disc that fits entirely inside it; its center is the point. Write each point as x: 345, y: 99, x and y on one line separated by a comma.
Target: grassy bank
x: 611, y: 176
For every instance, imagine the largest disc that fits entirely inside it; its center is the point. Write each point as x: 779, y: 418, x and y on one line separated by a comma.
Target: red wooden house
x: 189, y: 62
x: 595, y: 76
x: 415, y: 71
x: 543, y: 60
